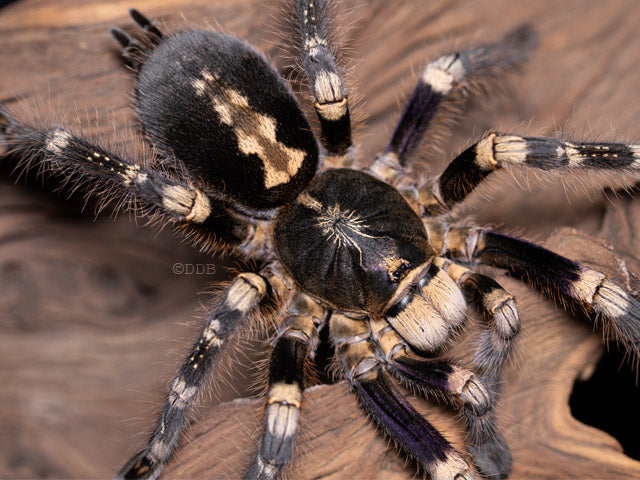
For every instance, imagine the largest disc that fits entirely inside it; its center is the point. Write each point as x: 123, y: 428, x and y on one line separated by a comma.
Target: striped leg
x: 286, y: 384
x: 83, y: 164
x: 488, y: 447
x: 496, y: 150
x: 430, y: 375
x: 549, y: 272
x: 359, y: 359
x: 451, y: 75
x: 499, y: 311
x: 327, y: 88
x: 241, y: 298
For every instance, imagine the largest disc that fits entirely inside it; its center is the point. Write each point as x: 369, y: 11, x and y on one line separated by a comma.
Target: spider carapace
x: 370, y: 255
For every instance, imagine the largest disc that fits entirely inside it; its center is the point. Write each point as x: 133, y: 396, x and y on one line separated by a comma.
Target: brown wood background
x: 93, y: 320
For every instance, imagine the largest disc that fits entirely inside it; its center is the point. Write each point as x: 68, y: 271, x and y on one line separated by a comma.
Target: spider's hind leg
x: 134, y: 51
x: 165, y: 196
x: 329, y: 94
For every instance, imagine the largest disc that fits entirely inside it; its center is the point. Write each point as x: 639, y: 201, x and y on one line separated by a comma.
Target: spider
x: 369, y: 255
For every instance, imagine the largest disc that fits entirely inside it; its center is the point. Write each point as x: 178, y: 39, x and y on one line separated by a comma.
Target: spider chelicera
x: 367, y: 254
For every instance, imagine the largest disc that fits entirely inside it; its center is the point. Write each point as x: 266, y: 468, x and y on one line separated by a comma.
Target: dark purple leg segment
x: 552, y: 273
x: 455, y: 74
x: 401, y: 421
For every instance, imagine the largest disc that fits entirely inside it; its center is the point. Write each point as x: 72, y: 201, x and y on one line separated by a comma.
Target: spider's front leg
x: 502, y: 324
x: 241, y: 298
x: 424, y: 320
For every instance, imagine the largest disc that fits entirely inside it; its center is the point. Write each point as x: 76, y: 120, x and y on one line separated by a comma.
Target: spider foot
x: 134, y: 52
x: 493, y: 457
x: 6, y: 120
x: 153, y: 33
x: 140, y: 467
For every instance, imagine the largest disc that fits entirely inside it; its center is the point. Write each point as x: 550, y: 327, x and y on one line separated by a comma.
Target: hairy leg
x: 445, y: 81
x: 495, y: 151
x: 327, y: 88
x: 548, y: 272
x: 293, y: 349
x: 241, y: 298
x: 363, y: 365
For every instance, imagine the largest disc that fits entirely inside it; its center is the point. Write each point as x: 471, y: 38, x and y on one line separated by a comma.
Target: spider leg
x: 286, y: 385
x: 448, y: 78
x: 241, y: 297
x: 496, y: 150
x: 546, y: 271
x: 490, y: 451
x: 133, y: 51
x: 488, y: 447
x: 499, y: 312
x: 363, y: 365
x: 158, y: 194
x: 327, y: 88
x: 152, y: 33
x: 430, y: 375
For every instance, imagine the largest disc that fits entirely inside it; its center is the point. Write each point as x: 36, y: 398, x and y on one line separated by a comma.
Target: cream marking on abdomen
x: 255, y: 132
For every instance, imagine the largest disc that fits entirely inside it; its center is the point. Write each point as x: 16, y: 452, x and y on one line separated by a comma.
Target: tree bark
x: 94, y: 320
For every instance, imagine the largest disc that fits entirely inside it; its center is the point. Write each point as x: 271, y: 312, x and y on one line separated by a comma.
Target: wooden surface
x: 93, y: 320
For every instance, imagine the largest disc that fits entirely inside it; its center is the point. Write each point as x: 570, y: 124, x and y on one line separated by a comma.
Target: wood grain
x: 94, y: 320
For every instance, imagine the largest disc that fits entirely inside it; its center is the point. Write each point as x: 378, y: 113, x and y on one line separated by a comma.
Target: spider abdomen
x: 349, y: 239
x: 216, y: 105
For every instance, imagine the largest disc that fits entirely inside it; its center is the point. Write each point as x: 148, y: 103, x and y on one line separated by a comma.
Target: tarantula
x: 366, y: 254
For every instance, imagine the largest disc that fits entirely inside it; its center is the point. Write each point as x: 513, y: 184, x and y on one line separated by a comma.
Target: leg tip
x: 493, y: 458
x: 121, y: 37
x: 140, y: 467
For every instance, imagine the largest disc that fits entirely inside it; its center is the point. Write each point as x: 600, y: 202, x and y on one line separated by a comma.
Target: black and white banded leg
x: 242, y: 296
x: 451, y: 75
x: 490, y: 451
x: 548, y: 272
x: 496, y: 150
x: 286, y: 383
x: 428, y: 375
x: 327, y: 88
x: 365, y: 370
x: 83, y: 164
x: 499, y: 311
